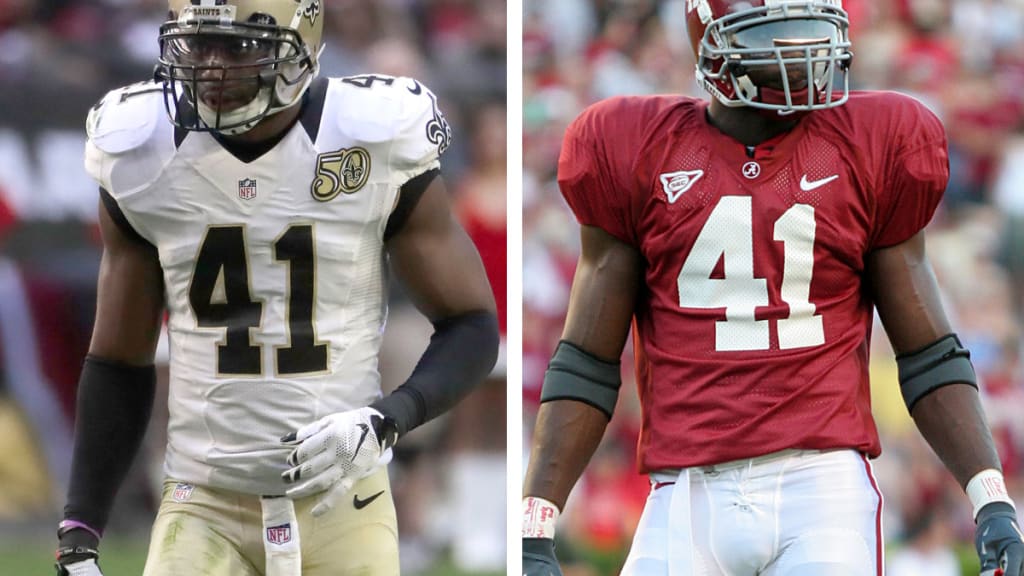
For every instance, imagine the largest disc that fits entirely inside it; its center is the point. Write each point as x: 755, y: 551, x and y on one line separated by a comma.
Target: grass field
x: 34, y: 558
x: 120, y: 557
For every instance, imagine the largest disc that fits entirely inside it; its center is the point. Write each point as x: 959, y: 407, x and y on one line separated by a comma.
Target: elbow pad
x: 941, y: 363
x: 574, y: 374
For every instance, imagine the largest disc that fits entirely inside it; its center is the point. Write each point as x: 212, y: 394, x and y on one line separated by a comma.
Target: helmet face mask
x: 780, y: 55
x: 226, y: 67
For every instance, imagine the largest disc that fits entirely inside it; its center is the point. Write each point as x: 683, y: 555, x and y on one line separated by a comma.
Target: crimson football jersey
x: 752, y: 331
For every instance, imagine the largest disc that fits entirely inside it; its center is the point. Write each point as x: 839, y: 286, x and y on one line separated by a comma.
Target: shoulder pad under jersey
x: 125, y: 117
x: 374, y: 109
x: 125, y: 150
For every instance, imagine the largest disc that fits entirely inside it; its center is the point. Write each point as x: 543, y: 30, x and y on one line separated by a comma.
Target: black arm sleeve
x: 462, y: 351
x: 114, y: 404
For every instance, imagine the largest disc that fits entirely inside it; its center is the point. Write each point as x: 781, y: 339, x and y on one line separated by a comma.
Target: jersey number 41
x: 220, y: 298
x: 728, y: 233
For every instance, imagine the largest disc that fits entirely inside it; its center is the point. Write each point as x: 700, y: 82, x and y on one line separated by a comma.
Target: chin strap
x: 211, y: 118
x: 267, y: 100
x: 772, y: 96
x: 776, y: 97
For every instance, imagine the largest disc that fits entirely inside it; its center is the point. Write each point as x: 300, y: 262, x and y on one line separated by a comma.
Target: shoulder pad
x: 398, y: 112
x: 375, y: 107
x: 125, y: 117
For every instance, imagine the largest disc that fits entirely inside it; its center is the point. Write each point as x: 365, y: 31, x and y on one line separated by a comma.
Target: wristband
x: 66, y: 525
x: 539, y: 517
x: 986, y: 487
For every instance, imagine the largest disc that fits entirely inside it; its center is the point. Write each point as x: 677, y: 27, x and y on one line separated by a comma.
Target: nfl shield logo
x: 247, y: 189
x: 182, y: 492
x: 279, y: 534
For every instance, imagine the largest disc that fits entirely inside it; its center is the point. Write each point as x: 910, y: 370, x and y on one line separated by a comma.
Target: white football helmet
x: 228, y: 64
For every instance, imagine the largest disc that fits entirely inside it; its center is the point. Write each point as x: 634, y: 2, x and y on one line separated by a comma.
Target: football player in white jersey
x: 262, y: 208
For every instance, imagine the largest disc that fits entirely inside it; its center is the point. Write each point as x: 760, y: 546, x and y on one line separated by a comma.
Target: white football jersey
x: 274, y: 269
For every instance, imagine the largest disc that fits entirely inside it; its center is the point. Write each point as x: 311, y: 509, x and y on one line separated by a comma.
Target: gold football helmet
x: 227, y: 64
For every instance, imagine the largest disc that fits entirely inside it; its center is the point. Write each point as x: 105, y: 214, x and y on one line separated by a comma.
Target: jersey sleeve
x: 594, y: 171
x: 128, y: 143
x: 123, y: 149
x: 423, y: 133
x: 915, y: 177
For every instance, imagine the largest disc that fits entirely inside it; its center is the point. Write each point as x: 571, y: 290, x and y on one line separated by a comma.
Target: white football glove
x: 80, y: 568
x: 334, y: 453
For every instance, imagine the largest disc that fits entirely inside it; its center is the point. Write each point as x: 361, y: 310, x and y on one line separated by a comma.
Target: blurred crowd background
x: 58, y: 58
x: 965, y: 60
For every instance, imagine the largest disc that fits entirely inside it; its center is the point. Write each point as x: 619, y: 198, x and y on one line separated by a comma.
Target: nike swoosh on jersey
x: 808, y: 185
x: 360, y: 504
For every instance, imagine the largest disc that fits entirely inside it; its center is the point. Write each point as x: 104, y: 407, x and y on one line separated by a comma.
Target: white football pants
x: 791, y: 513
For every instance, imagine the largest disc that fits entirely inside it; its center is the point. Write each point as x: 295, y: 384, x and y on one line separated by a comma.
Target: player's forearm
x: 951, y: 420
x: 565, y: 437
x: 461, y: 354
x: 114, y: 404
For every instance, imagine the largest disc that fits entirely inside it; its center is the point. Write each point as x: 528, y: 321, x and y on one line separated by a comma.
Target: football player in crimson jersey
x: 261, y: 206
x: 749, y: 241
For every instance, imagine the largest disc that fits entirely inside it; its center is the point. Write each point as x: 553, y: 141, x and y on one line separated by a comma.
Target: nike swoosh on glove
x: 334, y: 453
x: 539, y: 557
x: 999, y: 541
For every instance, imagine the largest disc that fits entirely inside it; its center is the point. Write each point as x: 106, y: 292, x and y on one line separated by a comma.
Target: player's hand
x: 334, y: 453
x: 999, y: 541
x: 539, y: 557
x: 77, y: 555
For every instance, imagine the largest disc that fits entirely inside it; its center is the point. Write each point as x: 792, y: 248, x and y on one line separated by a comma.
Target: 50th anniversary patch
x: 346, y: 170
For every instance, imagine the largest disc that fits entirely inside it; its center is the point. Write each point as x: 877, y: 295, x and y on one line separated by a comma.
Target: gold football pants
x: 204, y: 531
